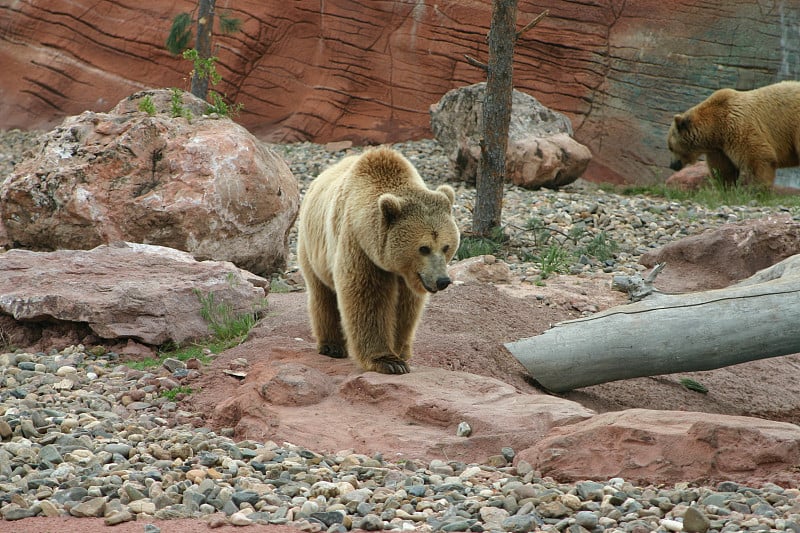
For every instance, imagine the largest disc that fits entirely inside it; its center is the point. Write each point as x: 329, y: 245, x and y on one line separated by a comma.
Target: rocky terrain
x: 274, y: 436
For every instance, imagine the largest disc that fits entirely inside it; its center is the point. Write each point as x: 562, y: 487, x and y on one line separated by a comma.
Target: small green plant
x: 278, y: 286
x: 221, y: 107
x: 173, y: 393
x: 475, y: 245
x: 541, y: 234
x: 601, y: 247
x: 224, y: 323
x: 176, y: 105
x: 204, y: 67
x: 554, y: 259
x: 694, y: 385
x: 146, y: 105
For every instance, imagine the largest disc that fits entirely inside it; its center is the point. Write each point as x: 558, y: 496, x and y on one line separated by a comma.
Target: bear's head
x: 420, y: 236
x: 682, y: 142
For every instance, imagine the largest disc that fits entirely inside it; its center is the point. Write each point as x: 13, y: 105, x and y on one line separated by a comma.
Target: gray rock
x: 93, y: 507
x: 119, y: 448
x: 5, y: 430
x: 15, y: 512
x: 50, y: 455
x: 695, y: 521
x: 521, y: 523
x: 249, y: 496
x: 590, y: 490
x: 586, y: 519
x: 541, y: 151
x: 371, y: 522
x: 329, y: 518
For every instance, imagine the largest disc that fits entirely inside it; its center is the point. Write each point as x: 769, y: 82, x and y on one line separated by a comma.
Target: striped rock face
x: 320, y: 73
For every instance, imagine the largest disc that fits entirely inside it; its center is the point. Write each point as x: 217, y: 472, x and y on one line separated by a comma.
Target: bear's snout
x: 676, y: 164
x: 442, y: 283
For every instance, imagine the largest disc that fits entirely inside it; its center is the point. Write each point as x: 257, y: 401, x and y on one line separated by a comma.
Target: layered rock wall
x: 369, y: 71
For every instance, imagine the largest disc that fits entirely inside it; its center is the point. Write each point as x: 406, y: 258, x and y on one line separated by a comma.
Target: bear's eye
x: 446, y: 248
x: 424, y: 250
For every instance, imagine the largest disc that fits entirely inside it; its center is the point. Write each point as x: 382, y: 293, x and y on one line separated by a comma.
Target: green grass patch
x: 714, y: 193
x: 224, y: 323
x: 228, y: 329
x: 475, y: 245
x: 554, y: 259
x: 694, y: 385
x: 173, y: 393
x: 601, y: 247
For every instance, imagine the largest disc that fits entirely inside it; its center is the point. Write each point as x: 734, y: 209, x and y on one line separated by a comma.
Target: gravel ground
x: 598, y: 230
x: 83, y: 435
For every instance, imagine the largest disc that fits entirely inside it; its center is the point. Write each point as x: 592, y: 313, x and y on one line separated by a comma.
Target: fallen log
x: 754, y: 319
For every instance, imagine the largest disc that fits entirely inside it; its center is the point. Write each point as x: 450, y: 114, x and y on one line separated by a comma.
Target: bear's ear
x: 391, y: 207
x: 448, y: 191
x: 682, y: 122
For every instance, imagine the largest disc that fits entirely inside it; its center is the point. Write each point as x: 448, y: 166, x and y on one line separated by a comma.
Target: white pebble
x: 671, y: 525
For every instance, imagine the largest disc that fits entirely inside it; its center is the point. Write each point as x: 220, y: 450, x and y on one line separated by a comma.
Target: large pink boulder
x: 203, y: 185
x: 149, y: 294
x: 290, y: 392
x: 650, y: 447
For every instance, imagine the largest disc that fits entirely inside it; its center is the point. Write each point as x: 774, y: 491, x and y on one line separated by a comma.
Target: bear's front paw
x: 390, y: 364
x: 336, y: 351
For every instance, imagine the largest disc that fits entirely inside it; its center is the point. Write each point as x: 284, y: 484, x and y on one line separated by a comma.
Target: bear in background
x: 373, y: 243
x: 745, y: 135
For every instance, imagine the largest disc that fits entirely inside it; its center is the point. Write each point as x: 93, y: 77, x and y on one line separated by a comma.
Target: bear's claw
x: 390, y: 364
x: 336, y: 351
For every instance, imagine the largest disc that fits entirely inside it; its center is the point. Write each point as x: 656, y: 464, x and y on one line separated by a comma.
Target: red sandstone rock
x: 415, y: 415
x: 689, y: 178
x: 619, y: 71
x: 205, y: 185
x: 118, y: 292
x: 718, y: 257
x: 648, y: 446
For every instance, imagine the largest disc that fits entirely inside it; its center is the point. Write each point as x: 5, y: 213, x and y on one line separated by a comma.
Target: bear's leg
x: 720, y: 166
x: 758, y: 164
x: 409, y: 311
x: 763, y: 173
x: 325, y: 320
x: 368, y: 303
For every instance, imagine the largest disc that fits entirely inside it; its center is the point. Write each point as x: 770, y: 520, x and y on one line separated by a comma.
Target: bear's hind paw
x: 389, y: 364
x: 336, y: 351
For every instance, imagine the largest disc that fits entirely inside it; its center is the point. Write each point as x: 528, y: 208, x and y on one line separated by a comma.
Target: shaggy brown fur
x: 744, y: 135
x: 373, y: 242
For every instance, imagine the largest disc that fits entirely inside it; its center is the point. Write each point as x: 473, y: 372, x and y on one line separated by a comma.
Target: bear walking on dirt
x: 743, y: 134
x: 373, y: 242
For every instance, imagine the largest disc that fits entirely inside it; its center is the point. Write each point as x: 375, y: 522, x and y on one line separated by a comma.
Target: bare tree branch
x: 475, y: 63
x: 533, y: 23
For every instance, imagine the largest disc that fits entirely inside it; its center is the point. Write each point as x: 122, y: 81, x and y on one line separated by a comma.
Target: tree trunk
x: 668, y: 333
x: 205, y: 24
x: 496, y: 118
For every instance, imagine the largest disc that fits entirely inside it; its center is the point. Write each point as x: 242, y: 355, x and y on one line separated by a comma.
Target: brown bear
x: 373, y: 242
x: 743, y: 134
